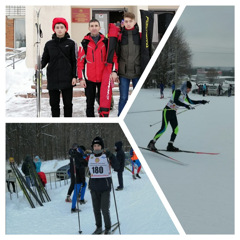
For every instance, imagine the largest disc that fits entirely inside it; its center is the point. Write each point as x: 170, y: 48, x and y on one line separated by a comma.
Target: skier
x: 161, y: 90
x: 60, y: 55
x: 169, y: 114
x: 91, y: 62
x: 99, y: 164
x: 129, y: 52
x: 10, y: 177
x: 26, y: 166
x: 77, y: 169
x: 136, y: 161
x: 121, y: 159
x: 38, y: 163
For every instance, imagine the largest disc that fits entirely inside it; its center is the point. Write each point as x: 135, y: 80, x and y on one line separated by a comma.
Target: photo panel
x: 60, y: 63
x: 192, y: 155
x: 48, y: 164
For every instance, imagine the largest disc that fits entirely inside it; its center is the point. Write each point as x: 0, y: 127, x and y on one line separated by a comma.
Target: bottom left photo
x: 78, y: 178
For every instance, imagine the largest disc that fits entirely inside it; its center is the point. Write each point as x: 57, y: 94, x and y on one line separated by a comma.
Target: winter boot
x: 119, y: 188
x: 107, y: 231
x: 134, y: 177
x: 151, y: 146
x: 137, y: 175
x: 75, y: 210
x: 171, y: 148
x: 68, y: 199
x: 98, y: 230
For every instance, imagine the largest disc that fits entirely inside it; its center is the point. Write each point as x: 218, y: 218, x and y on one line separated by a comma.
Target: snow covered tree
x: 173, y: 62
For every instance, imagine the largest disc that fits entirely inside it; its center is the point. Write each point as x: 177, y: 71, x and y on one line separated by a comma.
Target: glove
x: 190, y: 107
x: 204, y: 101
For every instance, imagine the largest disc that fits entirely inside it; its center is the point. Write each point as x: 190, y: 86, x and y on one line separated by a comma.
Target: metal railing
x: 14, y: 55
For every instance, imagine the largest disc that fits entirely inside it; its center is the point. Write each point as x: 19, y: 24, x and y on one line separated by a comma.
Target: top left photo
x: 78, y: 61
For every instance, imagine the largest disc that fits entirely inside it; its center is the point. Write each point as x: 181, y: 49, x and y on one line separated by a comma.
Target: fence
x: 14, y: 55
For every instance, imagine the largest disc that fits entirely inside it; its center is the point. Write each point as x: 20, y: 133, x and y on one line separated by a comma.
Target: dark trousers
x: 71, y: 187
x: 101, y: 203
x: 91, y: 95
x: 8, y: 185
x: 120, y: 179
x: 67, y: 95
x: 168, y: 115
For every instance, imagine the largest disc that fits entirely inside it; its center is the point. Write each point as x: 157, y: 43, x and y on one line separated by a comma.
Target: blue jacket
x: 38, y: 164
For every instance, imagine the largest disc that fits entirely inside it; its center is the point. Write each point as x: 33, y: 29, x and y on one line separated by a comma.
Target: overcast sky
x: 210, y: 33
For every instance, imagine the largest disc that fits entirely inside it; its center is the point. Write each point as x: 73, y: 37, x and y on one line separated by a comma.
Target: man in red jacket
x: 90, y: 64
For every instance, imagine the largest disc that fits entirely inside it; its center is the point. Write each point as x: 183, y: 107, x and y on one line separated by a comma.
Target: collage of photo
x: 89, y: 94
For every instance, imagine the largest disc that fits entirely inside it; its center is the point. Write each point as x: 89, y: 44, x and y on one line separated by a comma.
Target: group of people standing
x: 67, y: 65
x: 99, y: 162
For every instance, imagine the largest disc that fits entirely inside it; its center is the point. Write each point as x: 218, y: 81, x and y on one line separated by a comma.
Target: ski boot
x: 134, y: 177
x: 98, y: 230
x: 137, y: 175
x: 119, y: 188
x: 151, y: 146
x: 68, y: 199
x: 82, y: 201
x: 171, y: 148
x: 75, y: 210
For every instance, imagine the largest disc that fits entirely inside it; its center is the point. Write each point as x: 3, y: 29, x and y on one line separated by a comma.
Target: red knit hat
x: 59, y: 20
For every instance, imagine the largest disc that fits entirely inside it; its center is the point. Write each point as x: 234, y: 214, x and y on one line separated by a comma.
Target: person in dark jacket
x: 121, y: 159
x: 91, y: 61
x: 129, y: 54
x: 77, y: 171
x: 26, y: 166
x: 60, y: 54
x: 99, y: 164
x: 169, y: 114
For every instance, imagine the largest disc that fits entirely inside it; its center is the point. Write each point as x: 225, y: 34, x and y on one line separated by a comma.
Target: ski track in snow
x: 134, y: 203
x: 202, y: 193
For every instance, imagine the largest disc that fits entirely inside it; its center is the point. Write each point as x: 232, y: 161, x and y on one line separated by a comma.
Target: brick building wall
x: 9, y: 32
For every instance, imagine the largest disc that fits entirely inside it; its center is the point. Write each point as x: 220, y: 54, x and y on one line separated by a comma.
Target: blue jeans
x: 124, y: 88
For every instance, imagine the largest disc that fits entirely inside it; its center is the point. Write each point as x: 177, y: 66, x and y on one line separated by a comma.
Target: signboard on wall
x: 80, y: 15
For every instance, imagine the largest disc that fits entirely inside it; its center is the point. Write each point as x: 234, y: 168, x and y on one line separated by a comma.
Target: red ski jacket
x: 90, y: 66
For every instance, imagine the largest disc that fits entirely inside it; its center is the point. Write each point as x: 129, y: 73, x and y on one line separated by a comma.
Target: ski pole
x: 177, y: 114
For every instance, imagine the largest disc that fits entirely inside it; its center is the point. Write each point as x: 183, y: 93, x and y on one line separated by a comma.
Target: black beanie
x: 189, y: 84
x: 98, y: 140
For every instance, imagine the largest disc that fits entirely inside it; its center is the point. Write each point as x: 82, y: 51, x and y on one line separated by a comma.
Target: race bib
x: 99, y: 166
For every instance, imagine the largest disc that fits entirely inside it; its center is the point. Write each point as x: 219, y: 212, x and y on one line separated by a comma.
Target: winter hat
x: 75, y: 146
x: 98, y: 140
x: 59, y: 20
x: 189, y: 84
x: 37, y: 157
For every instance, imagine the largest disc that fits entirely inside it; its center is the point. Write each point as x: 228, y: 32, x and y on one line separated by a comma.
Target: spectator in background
x: 38, y: 163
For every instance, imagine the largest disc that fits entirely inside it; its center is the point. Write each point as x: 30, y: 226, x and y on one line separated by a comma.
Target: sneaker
x: 134, y: 177
x: 82, y: 201
x: 98, y: 230
x: 171, y: 148
x: 75, y: 210
x: 68, y: 199
x: 138, y: 175
x: 151, y: 146
x: 107, y: 231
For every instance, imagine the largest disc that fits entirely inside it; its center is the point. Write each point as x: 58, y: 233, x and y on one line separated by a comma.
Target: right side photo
x: 185, y: 120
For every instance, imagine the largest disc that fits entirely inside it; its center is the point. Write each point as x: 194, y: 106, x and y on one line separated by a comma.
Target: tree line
x: 53, y: 140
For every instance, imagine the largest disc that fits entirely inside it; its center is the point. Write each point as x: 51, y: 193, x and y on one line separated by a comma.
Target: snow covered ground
x: 201, y: 193
x: 19, y: 81
x: 139, y: 208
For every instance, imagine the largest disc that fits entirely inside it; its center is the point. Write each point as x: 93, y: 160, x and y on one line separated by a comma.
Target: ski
x: 113, y: 228
x: 166, y: 156
x: 186, y: 151
x: 38, y: 74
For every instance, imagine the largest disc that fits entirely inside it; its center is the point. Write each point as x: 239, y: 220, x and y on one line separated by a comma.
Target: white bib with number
x: 99, y: 166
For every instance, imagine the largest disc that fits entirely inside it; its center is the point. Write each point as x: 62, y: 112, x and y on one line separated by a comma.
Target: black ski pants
x: 67, y: 95
x: 168, y: 115
x: 101, y: 203
x: 91, y: 95
x: 120, y: 179
x: 8, y: 185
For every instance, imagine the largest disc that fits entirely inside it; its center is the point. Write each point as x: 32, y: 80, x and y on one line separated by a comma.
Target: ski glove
x: 189, y: 107
x: 204, y: 102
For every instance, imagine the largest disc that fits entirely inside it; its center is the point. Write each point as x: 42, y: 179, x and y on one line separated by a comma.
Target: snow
x: 201, y: 193
x: 139, y: 208
x: 19, y: 81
